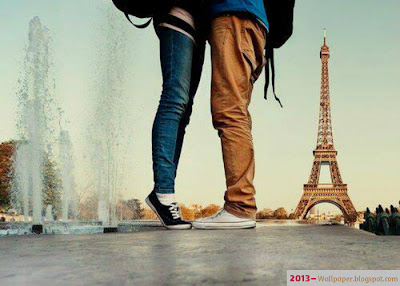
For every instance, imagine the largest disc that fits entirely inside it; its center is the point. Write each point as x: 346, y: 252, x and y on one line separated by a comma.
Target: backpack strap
x: 140, y: 26
x: 270, y: 59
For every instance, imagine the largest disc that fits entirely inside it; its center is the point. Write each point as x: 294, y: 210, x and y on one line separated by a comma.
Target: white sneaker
x: 223, y: 220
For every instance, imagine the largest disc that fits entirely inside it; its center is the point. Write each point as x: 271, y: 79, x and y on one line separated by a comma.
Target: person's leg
x: 197, y: 67
x: 237, y: 47
x: 237, y: 53
x: 176, y: 53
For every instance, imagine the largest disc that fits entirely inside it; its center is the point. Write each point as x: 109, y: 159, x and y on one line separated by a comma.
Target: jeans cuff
x: 163, y: 191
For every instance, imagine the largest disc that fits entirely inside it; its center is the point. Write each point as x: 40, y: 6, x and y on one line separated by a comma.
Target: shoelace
x: 174, y: 210
x: 218, y: 213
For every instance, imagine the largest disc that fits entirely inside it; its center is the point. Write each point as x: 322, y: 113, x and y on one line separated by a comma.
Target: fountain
x: 107, y: 136
x: 69, y: 201
x: 36, y: 182
x: 49, y: 213
x: 35, y: 98
x: 34, y: 152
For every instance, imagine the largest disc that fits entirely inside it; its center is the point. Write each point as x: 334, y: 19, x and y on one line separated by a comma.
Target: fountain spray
x: 67, y: 177
x: 34, y: 97
x: 106, y: 132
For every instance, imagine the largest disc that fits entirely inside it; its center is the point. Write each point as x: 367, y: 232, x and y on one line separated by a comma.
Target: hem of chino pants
x: 238, y: 213
x: 164, y: 191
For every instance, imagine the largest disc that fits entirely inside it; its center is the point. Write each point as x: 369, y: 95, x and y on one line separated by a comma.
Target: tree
x: 52, y: 187
x: 280, y: 213
x: 265, y: 214
x: 187, y: 213
x: 7, y: 150
x: 360, y: 215
x: 197, y: 210
x: 88, y: 208
x: 51, y: 179
x: 209, y: 210
x: 149, y: 214
x: 338, y: 218
x: 135, y: 206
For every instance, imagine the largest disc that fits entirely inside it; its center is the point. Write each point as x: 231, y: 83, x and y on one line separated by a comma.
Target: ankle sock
x: 166, y: 199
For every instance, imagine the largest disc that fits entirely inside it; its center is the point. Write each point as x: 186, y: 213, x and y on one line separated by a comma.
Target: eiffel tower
x: 315, y: 192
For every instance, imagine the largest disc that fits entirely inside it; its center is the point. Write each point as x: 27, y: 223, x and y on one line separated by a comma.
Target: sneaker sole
x: 172, y: 227
x: 224, y: 225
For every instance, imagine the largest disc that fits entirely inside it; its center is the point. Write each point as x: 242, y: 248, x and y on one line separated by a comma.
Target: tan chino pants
x: 237, y: 54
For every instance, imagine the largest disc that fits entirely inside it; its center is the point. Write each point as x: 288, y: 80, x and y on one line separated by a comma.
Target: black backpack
x: 280, y: 18
x: 143, y: 9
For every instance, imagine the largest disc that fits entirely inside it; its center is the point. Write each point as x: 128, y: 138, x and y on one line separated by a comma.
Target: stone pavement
x: 194, y: 257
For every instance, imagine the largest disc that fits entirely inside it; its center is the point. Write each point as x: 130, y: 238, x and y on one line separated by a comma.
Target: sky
x: 364, y: 77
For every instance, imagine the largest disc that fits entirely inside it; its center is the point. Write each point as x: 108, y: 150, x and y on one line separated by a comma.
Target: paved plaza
x: 154, y: 256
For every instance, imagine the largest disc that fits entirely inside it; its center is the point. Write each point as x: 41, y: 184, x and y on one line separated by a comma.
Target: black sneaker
x: 169, y: 216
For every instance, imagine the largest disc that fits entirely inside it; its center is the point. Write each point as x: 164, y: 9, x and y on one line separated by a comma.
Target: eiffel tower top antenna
x: 325, y: 136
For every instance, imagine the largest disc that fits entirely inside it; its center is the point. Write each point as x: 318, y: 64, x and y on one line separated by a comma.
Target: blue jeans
x: 181, y: 65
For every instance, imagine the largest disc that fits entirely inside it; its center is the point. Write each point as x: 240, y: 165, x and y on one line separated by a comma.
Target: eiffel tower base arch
x: 337, y: 197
